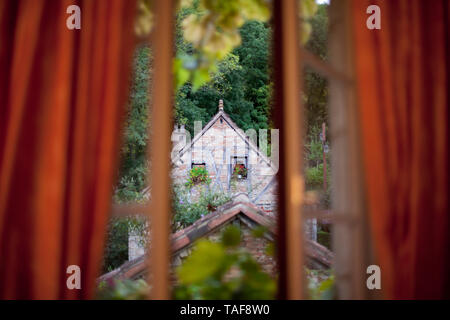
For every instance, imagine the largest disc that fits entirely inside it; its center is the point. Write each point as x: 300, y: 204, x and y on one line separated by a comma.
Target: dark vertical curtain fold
x: 62, y: 97
x: 403, y: 79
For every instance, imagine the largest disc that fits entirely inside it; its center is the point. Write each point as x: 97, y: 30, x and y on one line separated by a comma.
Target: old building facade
x: 232, y: 158
x: 234, y: 164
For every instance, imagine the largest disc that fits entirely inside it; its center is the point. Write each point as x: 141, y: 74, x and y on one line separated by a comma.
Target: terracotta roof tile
x: 183, y: 238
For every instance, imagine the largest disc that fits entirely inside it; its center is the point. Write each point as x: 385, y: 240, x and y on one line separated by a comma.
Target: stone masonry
x: 219, y: 147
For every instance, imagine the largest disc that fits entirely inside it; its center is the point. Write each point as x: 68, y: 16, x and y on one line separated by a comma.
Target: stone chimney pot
x: 220, y: 105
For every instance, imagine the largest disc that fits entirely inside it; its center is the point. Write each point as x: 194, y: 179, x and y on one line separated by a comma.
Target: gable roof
x: 221, y: 113
x: 240, y: 207
x: 234, y: 126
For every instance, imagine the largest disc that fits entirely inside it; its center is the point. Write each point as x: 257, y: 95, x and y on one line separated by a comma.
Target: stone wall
x: 255, y: 246
x: 219, y: 148
x: 136, y: 247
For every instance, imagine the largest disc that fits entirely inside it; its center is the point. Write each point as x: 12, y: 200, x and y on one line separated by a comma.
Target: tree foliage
x: 242, y: 81
x: 134, y: 166
x: 316, y: 86
x: 187, y: 211
x: 212, y: 29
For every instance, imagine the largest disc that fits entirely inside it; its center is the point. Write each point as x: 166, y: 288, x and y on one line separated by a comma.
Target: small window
x: 240, y: 170
x: 200, y: 165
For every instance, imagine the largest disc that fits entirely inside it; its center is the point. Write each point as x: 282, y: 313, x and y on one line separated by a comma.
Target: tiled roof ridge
x: 220, y: 211
x: 207, y: 224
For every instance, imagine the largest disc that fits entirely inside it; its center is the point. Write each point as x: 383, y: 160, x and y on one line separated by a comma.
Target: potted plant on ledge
x: 198, y: 175
x: 240, y: 171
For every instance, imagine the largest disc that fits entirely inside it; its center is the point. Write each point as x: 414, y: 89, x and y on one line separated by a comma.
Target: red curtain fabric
x: 403, y: 96
x: 62, y: 93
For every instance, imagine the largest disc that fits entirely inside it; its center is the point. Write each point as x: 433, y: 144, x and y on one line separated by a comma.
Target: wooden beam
x: 126, y: 210
x: 323, y: 67
x: 350, y: 235
x: 159, y: 150
x: 289, y: 121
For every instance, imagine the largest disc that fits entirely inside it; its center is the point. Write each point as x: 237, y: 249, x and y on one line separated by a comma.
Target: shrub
x: 186, y: 212
x: 198, y: 175
x: 116, y: 247
x: 324, y: 238
x: 127, y: 190
x: 314, y: 177
x: 325, y: 197
x: 313, y: 148
x: 321, y: 284
x: 123, y: 290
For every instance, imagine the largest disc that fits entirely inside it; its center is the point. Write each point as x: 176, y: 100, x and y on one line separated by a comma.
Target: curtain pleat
x: 403, y: 79
x: 62, y: 97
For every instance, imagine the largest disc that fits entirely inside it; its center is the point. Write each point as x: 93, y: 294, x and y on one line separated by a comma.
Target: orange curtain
x: 62, y: 93
x: 403, y: 90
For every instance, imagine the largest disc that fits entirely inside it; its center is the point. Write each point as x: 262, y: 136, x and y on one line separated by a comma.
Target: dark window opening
x: 198, y: 165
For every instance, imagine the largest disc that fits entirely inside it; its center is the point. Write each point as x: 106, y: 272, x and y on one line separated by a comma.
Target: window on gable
x: 240, y: 170
x: 198, y: 165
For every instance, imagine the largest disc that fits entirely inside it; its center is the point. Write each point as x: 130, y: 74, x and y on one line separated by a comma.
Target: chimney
x: 220, y: 105
x: 178, y: 135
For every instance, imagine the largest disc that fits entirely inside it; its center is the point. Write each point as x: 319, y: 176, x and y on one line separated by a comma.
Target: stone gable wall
x: 216, y: 149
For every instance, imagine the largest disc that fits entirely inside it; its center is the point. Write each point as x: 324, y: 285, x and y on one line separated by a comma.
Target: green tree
x: 134, y: 167
x: 316, y: 86
x: 316, y: 108
x: 241, y: 80
x: 116, y: 249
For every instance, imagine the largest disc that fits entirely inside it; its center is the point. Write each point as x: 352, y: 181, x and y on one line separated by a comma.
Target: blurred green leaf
x: 212, y: 28
x: 205, y: 260
x: 231, y: 237
x: 181, y: 75
x: 124, y: 290
x: 239, y: 276
x: 270, y: 249
x: 199, y: 77
x: 259, y: 231
x: 307, y: 9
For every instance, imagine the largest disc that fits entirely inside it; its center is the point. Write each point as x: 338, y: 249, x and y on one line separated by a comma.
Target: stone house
x: 232, y: 158
x: 226, y: 152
